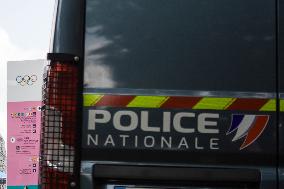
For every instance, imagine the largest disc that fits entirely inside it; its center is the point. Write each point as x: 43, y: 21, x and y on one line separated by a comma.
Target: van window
x: 180, y: 45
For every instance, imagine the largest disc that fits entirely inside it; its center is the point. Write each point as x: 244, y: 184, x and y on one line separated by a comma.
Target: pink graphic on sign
x: 23, y: 138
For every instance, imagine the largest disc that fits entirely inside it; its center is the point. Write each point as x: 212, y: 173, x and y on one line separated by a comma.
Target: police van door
x: 179, y: 94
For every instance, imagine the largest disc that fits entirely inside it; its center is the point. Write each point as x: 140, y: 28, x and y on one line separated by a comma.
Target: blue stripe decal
x: 236, y: 120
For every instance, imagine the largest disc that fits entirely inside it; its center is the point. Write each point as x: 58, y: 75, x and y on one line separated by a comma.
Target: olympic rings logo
x: 26, y: 80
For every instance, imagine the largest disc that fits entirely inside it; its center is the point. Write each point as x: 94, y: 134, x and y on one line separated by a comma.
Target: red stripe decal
x: 181, y: 102
x: 115, y: 100
x: 256, y: 130
x: 247, y: 104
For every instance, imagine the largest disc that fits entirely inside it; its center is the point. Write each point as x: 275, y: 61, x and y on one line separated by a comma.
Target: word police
x: 206, y: 122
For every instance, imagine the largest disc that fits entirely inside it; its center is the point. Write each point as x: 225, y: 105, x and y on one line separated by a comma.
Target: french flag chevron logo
x: 248, y: 126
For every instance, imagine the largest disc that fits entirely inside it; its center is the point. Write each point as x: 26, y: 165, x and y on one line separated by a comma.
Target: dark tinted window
x: 180, y: 44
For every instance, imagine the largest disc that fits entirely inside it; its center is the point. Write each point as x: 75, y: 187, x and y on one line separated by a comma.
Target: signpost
x: 24, y: 118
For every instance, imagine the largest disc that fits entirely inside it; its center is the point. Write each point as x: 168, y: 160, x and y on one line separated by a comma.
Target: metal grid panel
x: 59, y: 120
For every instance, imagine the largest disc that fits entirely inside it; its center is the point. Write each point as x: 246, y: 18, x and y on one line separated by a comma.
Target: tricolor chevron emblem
x: 249, y: 126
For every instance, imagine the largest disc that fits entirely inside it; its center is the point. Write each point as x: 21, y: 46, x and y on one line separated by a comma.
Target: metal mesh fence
x: 59, y: 124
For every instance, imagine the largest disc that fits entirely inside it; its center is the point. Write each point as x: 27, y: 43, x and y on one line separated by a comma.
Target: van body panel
x: 181, y: 48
